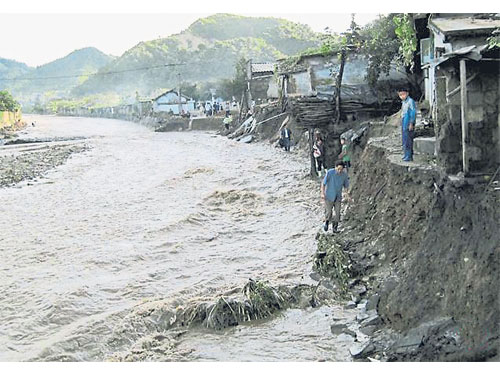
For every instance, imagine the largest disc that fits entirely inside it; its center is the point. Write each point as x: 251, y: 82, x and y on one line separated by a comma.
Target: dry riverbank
x: 29, y: 162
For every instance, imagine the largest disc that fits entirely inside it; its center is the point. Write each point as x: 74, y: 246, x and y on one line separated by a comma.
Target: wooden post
x: 313, y: 161
x: 338, y: 85
x: 179, y: 93
x: 465, y: 124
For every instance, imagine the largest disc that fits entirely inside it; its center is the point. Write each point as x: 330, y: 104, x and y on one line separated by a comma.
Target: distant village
x: 457, y: 86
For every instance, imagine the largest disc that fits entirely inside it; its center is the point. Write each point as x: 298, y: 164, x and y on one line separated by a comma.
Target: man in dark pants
x: 331, y: 191
x: 408, y: 117
x: 286, y: 136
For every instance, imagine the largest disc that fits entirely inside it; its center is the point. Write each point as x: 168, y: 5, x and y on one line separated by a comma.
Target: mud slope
x: 430, y: 244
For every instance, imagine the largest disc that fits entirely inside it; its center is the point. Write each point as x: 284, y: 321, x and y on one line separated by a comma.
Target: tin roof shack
x: 313, y: 75
x: 262, y: 82
x: 169, y: 102
x: 462, y: 86
x: 307, y: 87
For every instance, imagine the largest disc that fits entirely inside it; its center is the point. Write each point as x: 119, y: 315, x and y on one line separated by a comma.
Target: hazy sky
x: 46, y: 37
x: 40, y: 32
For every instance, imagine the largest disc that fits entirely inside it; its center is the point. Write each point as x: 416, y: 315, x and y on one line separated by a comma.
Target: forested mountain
x: 75, y: 67
x: 10, y: 69
x: 208, y: 50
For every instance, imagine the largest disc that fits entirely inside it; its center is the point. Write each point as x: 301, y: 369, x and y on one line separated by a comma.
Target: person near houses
x: 345, y: 154
x: 408, y: 118
x: 286, y: 136
x: 227, y: 121
x: 227, y: 108
x: 335, y: 180
x: 319, y: 153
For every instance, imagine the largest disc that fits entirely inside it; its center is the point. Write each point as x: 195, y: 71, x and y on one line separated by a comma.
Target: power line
x: 93, y: 74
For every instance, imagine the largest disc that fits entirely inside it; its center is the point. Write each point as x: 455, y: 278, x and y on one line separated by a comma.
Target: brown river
x: 145, y: 217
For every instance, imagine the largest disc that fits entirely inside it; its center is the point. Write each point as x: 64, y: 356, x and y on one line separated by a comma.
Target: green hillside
x: 209, y: 50
x: 10, y: 69
x: 75, y: 67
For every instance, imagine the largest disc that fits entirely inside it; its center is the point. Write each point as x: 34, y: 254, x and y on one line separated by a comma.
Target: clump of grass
x: 260, y: 301
x: 331, y: 261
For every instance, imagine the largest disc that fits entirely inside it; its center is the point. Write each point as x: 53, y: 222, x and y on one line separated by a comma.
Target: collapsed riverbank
x: 418, y: 254
x: 422, y: 257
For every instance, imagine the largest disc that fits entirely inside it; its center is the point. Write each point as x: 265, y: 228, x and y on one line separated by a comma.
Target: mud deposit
x: 103, y: 256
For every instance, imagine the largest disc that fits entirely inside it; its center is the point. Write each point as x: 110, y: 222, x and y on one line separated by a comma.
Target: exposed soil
x: 427, y: 246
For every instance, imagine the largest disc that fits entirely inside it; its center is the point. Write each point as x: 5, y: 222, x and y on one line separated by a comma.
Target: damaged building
x: 262, y: 84
x: 462, y: 77
x: 314, y: 76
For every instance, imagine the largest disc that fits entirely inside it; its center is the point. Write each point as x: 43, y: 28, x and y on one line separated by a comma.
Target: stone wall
x: 7, y: 119
x: 483, y: 96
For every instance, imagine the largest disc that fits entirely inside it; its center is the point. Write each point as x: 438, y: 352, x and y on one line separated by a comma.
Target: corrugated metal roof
x: 171, y: 90
x: 457, y: 25
x: 470, y: 52
x: 263, y: 67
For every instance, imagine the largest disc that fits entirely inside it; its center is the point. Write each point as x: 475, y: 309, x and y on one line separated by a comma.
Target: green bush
x: 7, y: 102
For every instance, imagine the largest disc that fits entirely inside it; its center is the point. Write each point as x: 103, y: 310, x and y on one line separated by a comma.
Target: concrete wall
x: 9, y: 118
x: 263, y: 88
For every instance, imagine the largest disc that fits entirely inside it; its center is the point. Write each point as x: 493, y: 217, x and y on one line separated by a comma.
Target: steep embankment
x: 430, y: 247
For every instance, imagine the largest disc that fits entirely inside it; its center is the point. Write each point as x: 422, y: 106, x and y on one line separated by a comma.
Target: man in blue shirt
x: 331, y: 191
x: 408, y: 117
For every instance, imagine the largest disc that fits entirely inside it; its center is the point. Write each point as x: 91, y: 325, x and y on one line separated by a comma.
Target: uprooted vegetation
x: 258, y: 300
x: 331, y: 261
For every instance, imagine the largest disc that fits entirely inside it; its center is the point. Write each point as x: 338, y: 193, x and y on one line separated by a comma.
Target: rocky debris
x: 428, y: 247
x: 373, y: 320
x: 246, y: 139
x: 360, y: 290
x: 29, y: 165
x: 362, y: 350
x: 372, y: 303
x: 350, y: 305
x: 362, y: 316
x: 20, y: 141
x: 416, y: 337
x: 352, y: 135
x: 315, y: 276
x: 368, y: 330
x: 349, y: 332
x: 338, y: 328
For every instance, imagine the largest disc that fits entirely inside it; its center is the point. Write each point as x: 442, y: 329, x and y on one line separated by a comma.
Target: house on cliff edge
x: 462, y: 78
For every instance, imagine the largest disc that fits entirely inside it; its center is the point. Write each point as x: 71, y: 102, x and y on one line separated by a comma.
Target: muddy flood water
x: 166, y: 218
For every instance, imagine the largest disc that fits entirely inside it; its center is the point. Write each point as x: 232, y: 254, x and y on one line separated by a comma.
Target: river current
x: 145, y: 217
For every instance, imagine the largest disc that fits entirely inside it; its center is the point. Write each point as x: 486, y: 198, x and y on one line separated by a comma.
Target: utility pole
x: 179, y: 92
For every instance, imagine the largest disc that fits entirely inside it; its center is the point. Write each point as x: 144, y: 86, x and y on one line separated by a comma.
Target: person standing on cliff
x: 345, y: 154
x: 335, y: 180
x: 408, y: 117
